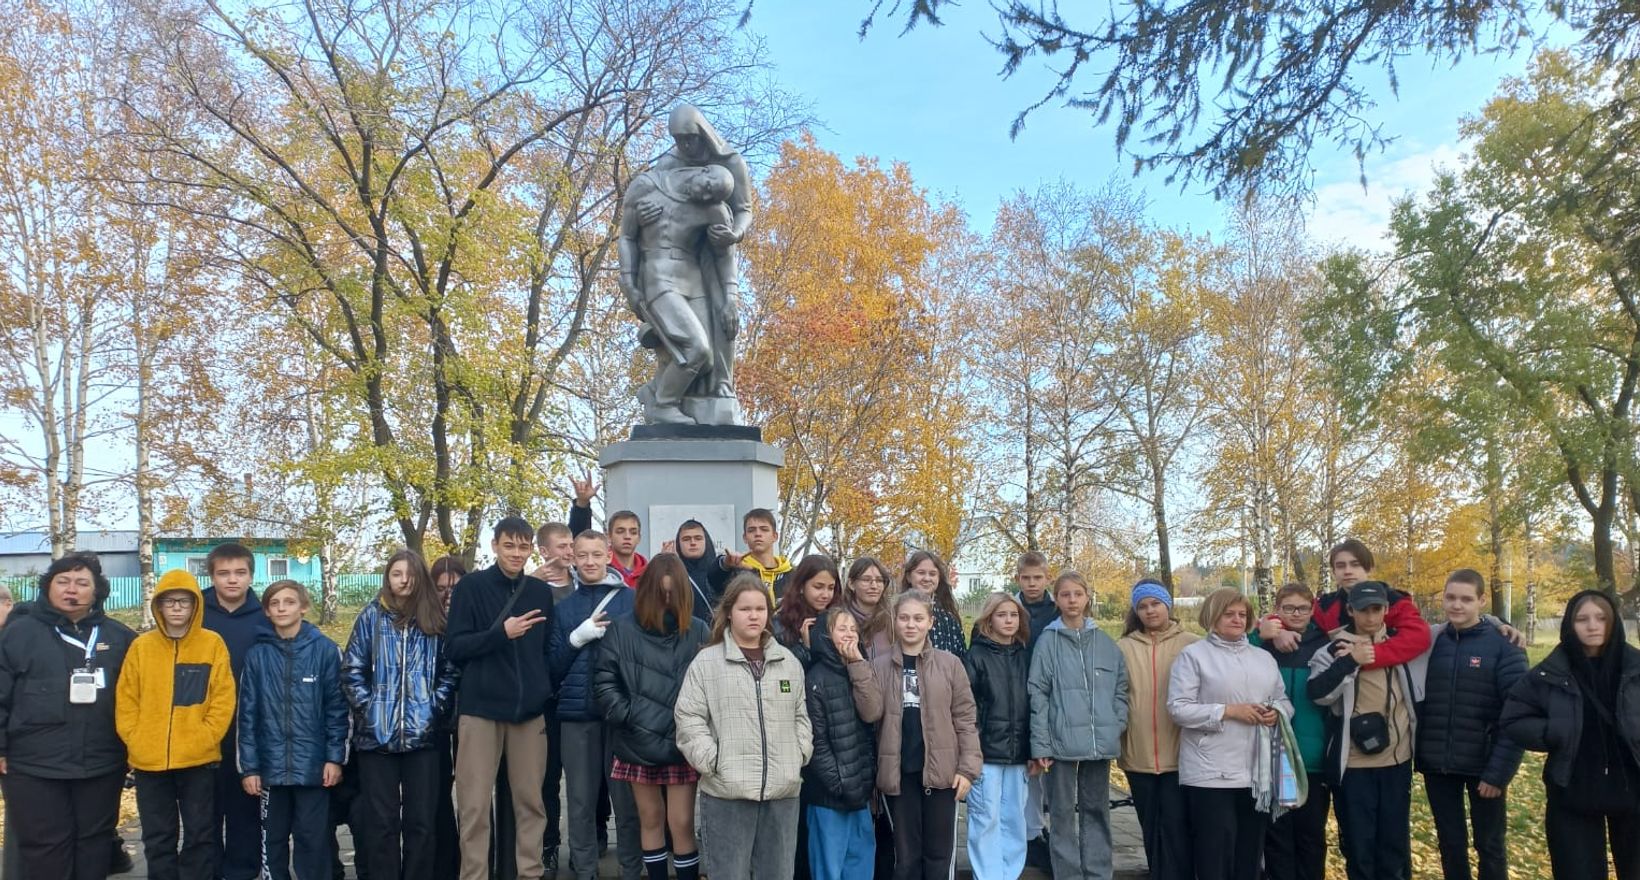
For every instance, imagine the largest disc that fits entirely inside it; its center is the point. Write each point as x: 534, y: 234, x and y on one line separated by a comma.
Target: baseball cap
x: 1369, y: 593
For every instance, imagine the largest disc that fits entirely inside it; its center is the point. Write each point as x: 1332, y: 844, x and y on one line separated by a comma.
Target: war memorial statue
x: 681, y: 222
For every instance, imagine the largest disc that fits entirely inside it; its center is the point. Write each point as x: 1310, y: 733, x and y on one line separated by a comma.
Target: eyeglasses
x: 1293, y: 609
x: 176, y: 602
x: 870, y: 580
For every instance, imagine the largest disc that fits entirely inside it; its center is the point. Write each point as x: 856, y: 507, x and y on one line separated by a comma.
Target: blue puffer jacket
x: 397, y: 681
x: 572, y: 666
x: 292, y: 715
x: 1470, y: 674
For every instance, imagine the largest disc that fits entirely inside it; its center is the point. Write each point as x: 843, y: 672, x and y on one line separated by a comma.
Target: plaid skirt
x: 671, y: 774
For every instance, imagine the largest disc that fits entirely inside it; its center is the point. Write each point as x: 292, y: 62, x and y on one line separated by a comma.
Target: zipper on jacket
x: 290, y: 695
x: 404, y: 696
x: 171, y: 717
x: 1451, y: 700
x: 1155, y: 722
x: 762, y: 730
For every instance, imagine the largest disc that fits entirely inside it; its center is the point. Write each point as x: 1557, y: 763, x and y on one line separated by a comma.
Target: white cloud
x: 1345, y: 214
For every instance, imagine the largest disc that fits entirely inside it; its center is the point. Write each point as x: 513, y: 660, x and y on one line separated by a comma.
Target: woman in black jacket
x: 998, y: 666
x: 1582, y: 706
x: 60, y: 659
x: 635, y: 681
x: 839, y: 778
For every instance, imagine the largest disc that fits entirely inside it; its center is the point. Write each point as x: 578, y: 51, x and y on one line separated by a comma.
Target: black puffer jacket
x: 41, y: 733
x: 843, y: 770
x: 1470, y: 674
x: 635, y: 680
x: 997, y: 675
x: 1545, y: 713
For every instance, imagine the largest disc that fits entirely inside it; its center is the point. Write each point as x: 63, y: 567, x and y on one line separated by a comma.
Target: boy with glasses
x: 1295, y: 847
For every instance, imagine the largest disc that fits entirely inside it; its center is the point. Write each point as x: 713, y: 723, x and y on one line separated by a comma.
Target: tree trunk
x: 142, y: 479
x: 1158, y: 504
x: 1531, y: 586
x: 1500, y: 601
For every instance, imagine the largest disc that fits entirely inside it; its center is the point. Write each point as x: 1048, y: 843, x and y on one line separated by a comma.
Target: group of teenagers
x: 759, y: 719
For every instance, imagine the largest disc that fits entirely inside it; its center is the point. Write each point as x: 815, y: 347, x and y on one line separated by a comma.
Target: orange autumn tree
x: 851, y: 357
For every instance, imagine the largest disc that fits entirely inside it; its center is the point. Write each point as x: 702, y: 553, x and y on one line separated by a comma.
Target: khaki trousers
x: 482, y: 744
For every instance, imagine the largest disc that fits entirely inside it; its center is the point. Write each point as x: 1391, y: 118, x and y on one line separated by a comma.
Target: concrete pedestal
x: 668, y: 481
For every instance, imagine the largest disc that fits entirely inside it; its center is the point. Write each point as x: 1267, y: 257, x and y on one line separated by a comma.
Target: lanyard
x: 89, y: 646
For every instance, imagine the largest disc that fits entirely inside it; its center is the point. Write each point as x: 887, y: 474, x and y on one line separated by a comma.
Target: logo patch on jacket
x: 1474, y: 662
x: 785, y: 686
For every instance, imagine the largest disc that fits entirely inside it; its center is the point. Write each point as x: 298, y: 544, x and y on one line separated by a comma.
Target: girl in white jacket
x: 742, y: 723
x: 1220, y: 691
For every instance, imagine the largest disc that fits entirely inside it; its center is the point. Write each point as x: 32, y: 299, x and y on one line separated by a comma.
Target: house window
x: 278, y: 567
x: 196, y: 567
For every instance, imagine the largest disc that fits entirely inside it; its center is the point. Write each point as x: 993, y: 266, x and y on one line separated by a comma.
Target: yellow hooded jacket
x: 176, y: 697
x: 770, y: 575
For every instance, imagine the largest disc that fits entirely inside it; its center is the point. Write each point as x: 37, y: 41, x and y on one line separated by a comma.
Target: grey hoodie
x: 1079, y: 694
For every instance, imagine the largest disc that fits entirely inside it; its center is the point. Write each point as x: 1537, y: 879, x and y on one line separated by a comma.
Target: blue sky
x: 933, y: 99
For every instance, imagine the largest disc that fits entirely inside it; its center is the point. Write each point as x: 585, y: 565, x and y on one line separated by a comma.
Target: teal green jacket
x: 1309, y: 720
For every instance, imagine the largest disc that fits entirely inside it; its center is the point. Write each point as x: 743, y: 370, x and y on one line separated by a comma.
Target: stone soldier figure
x: 680, y: 223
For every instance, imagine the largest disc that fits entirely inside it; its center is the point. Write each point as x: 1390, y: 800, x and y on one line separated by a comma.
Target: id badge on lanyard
x: 84, y: 682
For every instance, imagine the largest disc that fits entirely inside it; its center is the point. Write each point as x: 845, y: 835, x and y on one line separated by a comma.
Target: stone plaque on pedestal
x: 710, y: 473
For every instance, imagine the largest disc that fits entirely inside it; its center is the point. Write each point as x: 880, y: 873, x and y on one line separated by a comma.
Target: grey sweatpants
x: 1078, y: 794
x: 748, y: 840
x: 588, y: 754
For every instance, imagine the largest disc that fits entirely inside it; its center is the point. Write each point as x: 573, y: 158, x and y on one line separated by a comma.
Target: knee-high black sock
x: 654, y: 863
x: 687, y: 865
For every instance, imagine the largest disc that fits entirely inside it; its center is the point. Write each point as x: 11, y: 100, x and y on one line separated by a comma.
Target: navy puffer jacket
x: 998, y: 674
x: 1470, y: 674
x: 398, y: 683
x: 635, y: 680
x: 292, y: 715
x: 843, y: 769
x: 571, y: 666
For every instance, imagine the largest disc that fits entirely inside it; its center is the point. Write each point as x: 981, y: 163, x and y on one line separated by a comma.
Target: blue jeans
x: 841, y: 845
x: 996, y: 823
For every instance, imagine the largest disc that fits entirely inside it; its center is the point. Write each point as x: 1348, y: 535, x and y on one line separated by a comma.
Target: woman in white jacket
x: 743, y: 724
x: 1220, y: 691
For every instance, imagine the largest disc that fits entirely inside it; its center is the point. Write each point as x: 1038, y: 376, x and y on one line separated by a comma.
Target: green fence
x: 125, y: 593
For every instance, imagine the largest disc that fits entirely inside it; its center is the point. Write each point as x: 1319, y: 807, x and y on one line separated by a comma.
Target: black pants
x: 238, y: 822
x: 883, y: 826
x: 182, y: 801
x: 1375, y: 822
x: 1489, y: 816
x: 295, y: 818
x: 1296, y: 846
x: 925, y: 829
x: 447, y: 846
x: 551, y: 786
x: 1577, y: 841
x: 1227, y: 832
x: 400, y: 797
x: 1164, y: 822
x: 62, y: 826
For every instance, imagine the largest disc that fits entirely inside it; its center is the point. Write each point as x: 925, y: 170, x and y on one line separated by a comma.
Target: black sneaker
x: 549, y: 860
x: 1036, y: 854
x: 119, y: 862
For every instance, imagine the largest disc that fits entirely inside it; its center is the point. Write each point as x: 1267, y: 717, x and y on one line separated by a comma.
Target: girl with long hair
x: 868, y: 593
x: 1581, y: 705
x: 926, y: 573
x: 928, y: 751
x: 999, y: 668
x: 742, y: 723
x: 401, y: 689
x: 635, y: 681
x: 811, y: 588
